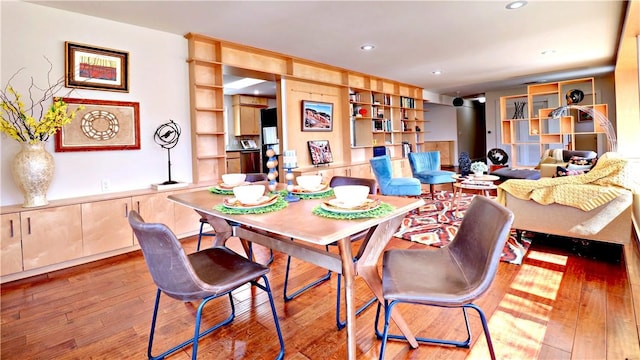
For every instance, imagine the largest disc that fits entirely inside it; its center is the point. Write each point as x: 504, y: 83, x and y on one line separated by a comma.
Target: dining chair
x: 452, y: 276
x: 201, y: 276
x: 335, y: 181
x: 389, y: 185
x: 251, y: 177
x: 425, y: 166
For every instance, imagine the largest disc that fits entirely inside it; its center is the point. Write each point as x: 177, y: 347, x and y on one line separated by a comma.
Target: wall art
x: 317, y: 116
x: 100, y: 125
x: 91, y: 67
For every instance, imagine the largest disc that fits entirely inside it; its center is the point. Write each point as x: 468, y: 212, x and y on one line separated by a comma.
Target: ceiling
x: 478, y: 45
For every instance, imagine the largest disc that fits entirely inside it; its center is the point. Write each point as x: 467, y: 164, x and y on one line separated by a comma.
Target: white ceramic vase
x: 32, y: 170
x: 478, y: 173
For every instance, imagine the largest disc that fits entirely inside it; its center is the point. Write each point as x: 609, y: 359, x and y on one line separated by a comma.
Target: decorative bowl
x: 233, y: 179
x: 351, y: 195
x: 309, y: 182
x: 248, y: 194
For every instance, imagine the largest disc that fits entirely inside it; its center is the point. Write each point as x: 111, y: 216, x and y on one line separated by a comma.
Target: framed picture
x: 100, y: 125
x: 584, y: 116
x: 317, y: 116
x: 320, y: 152
x: 91, y: 67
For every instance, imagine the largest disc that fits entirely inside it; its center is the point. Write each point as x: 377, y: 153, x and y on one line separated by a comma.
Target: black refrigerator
x: 269, y: 135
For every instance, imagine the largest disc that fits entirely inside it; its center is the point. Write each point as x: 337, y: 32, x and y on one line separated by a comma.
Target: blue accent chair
x: 401, y: 186
x: 425, y: 166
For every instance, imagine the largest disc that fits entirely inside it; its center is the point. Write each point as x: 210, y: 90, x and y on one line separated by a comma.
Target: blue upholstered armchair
x: 425, y: 166
x: 402, y: 186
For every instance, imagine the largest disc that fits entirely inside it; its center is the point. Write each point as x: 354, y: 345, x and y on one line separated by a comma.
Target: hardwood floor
x: 554, y: 306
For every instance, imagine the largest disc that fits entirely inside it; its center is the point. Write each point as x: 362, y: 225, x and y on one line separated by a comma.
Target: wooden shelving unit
x: 207, y: 108
x: 385, y: 113
x: 532, y: 131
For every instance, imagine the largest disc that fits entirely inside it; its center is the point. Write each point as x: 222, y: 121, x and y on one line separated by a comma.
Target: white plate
x: 229, y: 201
x: 321, y: 189
x: 336, y: 206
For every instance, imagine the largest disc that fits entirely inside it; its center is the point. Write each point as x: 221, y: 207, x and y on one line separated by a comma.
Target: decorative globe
x: 574, y: 96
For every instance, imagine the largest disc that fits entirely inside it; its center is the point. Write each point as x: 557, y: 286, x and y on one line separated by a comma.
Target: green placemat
x: 215, y: 190
x: 381, y: 210
x: 303, y: 196
x: 278, y: 205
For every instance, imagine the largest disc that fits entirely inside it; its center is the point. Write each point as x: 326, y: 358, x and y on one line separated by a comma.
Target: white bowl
x: 248, y: 194
x: 309, y: 182
x: 233, y: 179
x: 351, y: 195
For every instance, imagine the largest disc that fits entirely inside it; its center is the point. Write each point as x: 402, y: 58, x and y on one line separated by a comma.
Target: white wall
x: 158, y: 79
x: 442, y: 125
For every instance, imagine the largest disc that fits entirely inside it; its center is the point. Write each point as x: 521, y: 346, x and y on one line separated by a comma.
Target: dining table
x: 303, y: 228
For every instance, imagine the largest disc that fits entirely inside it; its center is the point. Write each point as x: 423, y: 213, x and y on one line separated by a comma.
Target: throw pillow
x: 580, y: 163
x: 547, y: 160
x: 562, y: 171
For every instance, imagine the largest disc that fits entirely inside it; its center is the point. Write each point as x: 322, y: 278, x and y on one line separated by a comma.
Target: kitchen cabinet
x: 105, y: 226
x: 233, y: 162
x: 155, y: 208
x: 70, y: 232
x: 51, y: 235
x: 10, y: 244
x: 246, y: 114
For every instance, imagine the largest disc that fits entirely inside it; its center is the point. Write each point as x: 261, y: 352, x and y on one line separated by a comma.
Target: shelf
x: 528, y: 137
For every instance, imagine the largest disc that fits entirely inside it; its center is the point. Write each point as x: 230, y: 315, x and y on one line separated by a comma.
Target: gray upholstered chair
x: 425, y: 166
x: 335, y: 181
x: 452, y: 276
x: 202, y: 276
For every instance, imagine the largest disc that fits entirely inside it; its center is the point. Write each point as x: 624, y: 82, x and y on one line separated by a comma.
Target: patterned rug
x: 423, y: 227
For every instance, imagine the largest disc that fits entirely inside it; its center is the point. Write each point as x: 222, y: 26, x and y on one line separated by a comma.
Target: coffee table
x: 479, y: 184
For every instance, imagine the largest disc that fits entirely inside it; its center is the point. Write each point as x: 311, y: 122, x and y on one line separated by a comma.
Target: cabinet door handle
x: 11, y: 228
x: 126, y: 210
x: 29, y: 225
x: 138, y: 203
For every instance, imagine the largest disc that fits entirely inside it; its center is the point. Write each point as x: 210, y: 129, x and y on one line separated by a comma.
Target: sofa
x: 593, y: 206
x: 550, y: 160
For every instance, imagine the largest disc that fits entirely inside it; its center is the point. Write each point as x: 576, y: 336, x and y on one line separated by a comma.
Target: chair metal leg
x: 464, y: 344
x: 267, y: 289
x: 317, y: 282
x: 197, y: 333
x: 201, y: 234
x: 339, y: 323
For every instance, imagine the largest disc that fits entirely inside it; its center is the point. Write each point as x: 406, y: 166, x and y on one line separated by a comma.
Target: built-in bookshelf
x: 529, y: 128
x: 386, y: 114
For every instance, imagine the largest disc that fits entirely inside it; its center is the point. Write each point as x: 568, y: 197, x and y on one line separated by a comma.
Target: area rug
x: 436, y: 224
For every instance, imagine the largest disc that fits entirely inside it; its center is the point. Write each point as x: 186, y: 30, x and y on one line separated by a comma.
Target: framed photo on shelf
x: 584, y: 116
x: 320, y: 152
x: 100, y: 125
x: 91, y: 67
x: 317, y: 116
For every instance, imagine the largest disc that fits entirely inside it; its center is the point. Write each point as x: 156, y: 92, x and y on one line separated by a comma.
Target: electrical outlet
x: 106, y: 185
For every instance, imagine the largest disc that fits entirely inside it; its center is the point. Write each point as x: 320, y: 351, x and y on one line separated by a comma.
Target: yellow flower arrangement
x: 21, y: 122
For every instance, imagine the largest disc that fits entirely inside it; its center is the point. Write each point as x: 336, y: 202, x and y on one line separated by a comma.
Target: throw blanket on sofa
x: 606, y: 181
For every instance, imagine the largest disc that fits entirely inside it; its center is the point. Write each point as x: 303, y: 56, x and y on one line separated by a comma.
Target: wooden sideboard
x: 74, y: 231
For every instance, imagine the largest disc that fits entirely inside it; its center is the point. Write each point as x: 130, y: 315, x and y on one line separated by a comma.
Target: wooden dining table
x: 296, y: 231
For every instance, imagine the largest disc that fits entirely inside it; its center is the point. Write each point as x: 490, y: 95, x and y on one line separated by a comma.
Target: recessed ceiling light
x: 367, y: 47
x: 243, y: 83
x: 437, y: 72
x: 515, y: 5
